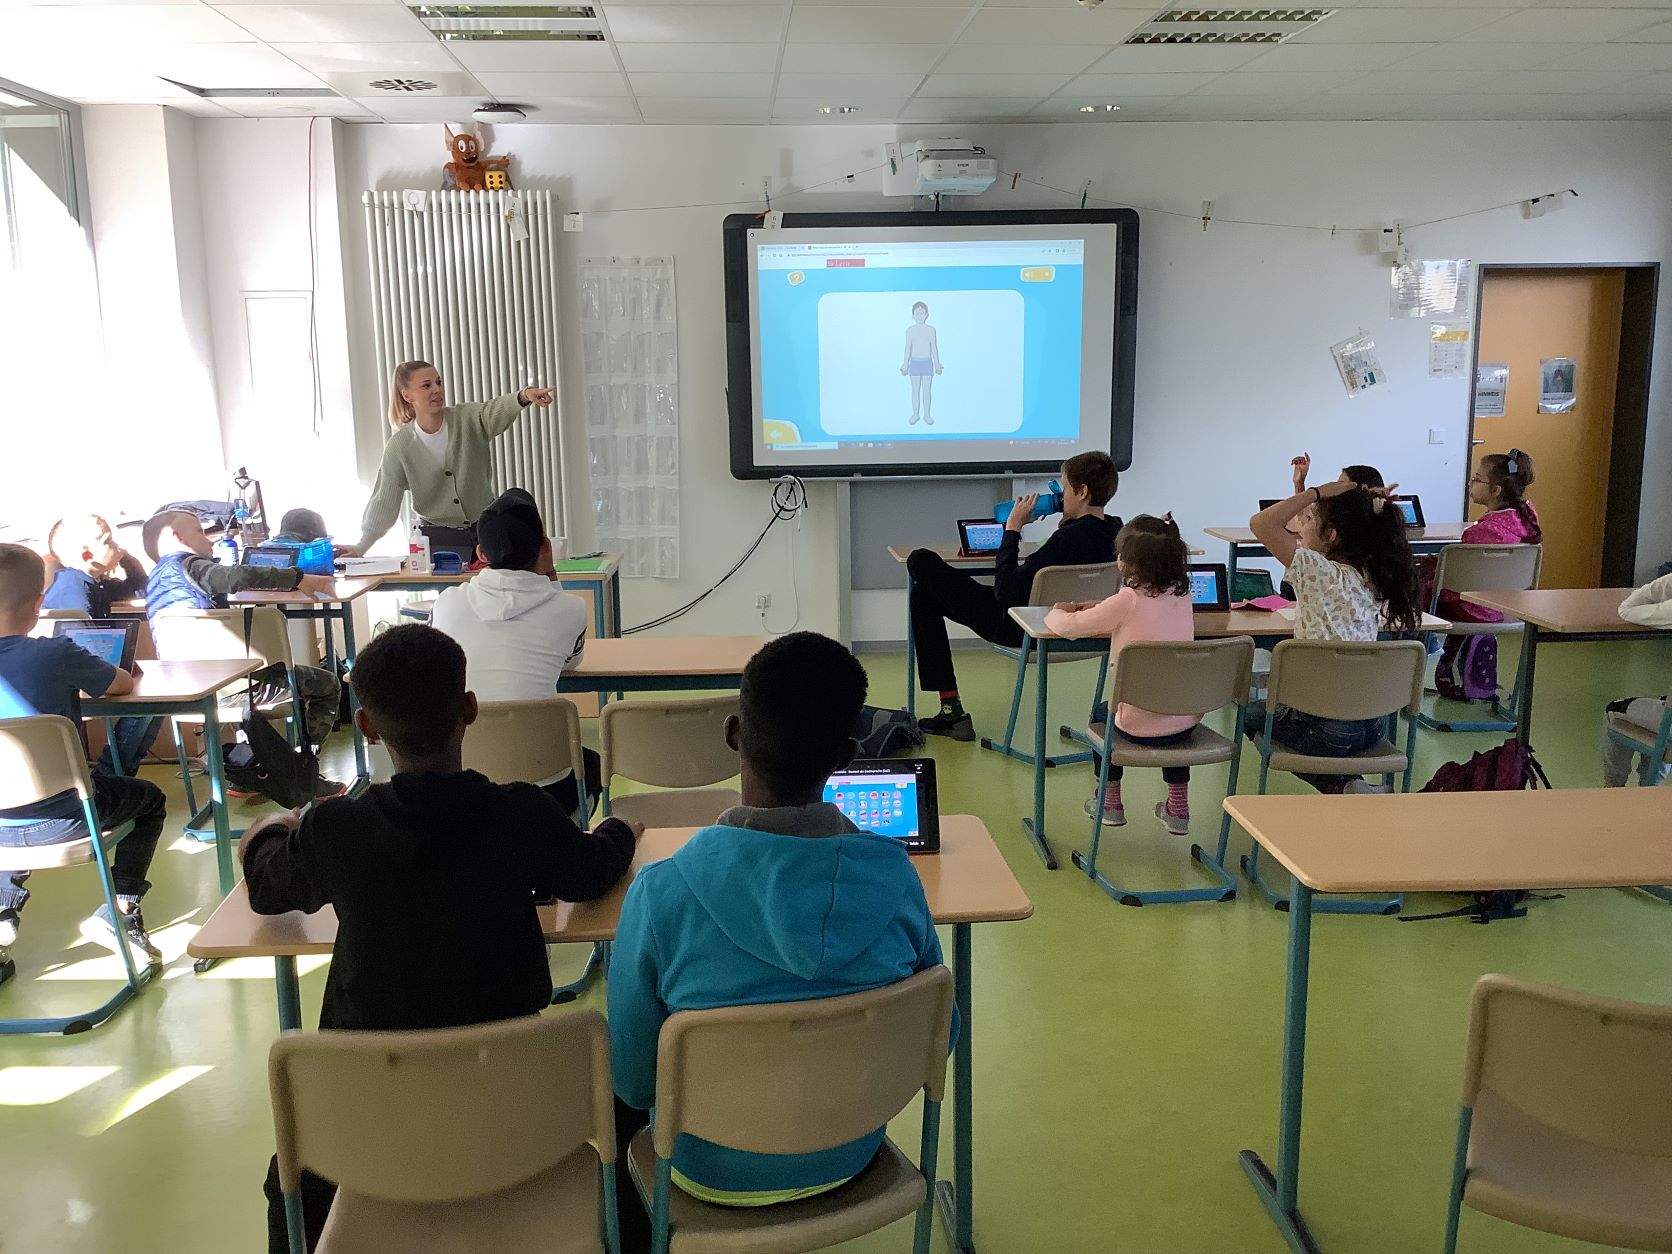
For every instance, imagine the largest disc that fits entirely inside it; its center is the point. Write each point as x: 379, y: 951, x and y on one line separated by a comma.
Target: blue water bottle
x: 226, y: 548
x: 1049, y: 502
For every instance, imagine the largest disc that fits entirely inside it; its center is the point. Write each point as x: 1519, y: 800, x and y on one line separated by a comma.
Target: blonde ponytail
x: 400, y: 411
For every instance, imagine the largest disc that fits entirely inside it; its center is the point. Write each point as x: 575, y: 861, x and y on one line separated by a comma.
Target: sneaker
x: 955, y: 726
x: 98, y: 928
x: 1359, y: 787
x: 328, y: 788
x: 1176, y: 824
x: 1112, y: 817
x: 8, y: 928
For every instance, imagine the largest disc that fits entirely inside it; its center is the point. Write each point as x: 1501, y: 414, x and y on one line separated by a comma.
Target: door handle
x: 1476, y: 443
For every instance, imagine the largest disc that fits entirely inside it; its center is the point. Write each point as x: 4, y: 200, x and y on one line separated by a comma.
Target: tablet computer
x: 979, y: 535
x: 893, y: 797
x: 110, y: 640
x: 1210, y: 590
x: 279, y: 556
x: 1411, y: 507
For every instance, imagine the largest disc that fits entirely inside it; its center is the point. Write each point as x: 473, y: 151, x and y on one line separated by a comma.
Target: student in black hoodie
x: 437, y: 842
x: 940, y: 592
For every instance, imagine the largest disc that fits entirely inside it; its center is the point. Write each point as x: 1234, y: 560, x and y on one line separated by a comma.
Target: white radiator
x: 455, y: 284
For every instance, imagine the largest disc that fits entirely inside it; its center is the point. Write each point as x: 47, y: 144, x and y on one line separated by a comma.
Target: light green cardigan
x: 452, y: 494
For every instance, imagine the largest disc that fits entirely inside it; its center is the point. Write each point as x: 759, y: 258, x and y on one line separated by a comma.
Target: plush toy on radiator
x: 469, y: 170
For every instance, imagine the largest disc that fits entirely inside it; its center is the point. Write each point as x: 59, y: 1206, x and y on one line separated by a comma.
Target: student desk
x: 1559, y: 615
x: 1407, y: 842
x: 1036, y: 636
x: 338, y: 606
x: 602, y: 586
x: 968, y: 882
x: 187, y: 688
x: 1429, y: 539
x: 662, y: 664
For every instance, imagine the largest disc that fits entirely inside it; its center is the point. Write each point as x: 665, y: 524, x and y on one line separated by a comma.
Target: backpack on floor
x: 263, y: 761
x: 1510, y: 767
x: 886, y: 733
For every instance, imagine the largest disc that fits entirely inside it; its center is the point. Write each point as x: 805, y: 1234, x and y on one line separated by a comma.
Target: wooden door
x: 1526, y: 317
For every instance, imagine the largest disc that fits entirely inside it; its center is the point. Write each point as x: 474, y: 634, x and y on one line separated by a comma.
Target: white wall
x: 1234, y: 323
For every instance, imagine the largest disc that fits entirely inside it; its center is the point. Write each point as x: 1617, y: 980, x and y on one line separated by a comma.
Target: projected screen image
x: 1204, y: 587
x: 884, y: 804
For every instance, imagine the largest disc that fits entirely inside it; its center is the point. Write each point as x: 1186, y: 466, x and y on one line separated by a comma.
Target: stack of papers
x: 362, y: 567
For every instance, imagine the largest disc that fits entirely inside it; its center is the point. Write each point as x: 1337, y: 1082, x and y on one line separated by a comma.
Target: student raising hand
x: 1299, y: 468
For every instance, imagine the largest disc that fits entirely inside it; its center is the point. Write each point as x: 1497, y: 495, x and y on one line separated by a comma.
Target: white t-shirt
x: 435, y: 441
x: 1332, y: 600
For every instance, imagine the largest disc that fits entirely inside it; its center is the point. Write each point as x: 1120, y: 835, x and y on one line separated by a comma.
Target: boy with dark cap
x: 517, y: 627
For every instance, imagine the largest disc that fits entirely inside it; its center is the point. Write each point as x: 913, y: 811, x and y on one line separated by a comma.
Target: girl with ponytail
x: 1468, y: 668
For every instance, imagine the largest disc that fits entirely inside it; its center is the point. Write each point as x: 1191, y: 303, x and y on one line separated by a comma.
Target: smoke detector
x: 1226, y: 26
x: 493, y: 111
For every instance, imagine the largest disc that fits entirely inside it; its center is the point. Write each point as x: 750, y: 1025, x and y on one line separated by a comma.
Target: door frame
x: 1631, y: 403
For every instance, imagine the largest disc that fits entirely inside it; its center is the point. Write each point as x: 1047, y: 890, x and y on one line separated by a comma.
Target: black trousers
x: 939, y: 593
x: 1169, y: 774
x: 317, y: 1196
x: 564, y: 790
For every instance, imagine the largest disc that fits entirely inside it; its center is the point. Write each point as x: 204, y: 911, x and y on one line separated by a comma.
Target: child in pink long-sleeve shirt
x: 1154, y: 605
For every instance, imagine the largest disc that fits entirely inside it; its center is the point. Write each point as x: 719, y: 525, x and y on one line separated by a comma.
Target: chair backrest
x: 40, y: 757
x: 1183, y: 677
x: 1481, y: 567
x: 796, y: 1077
x: 1596, y: 1068
x: 524, y: 742
x: 1091, y: 582
x: 669, y: 744
x: 446, y: 1114
x: 204, y: 635
x: 1348, y: 679
x: 51, y: 618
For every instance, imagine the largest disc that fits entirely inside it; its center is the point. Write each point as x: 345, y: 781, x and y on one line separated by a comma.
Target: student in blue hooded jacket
x: 782, y: 900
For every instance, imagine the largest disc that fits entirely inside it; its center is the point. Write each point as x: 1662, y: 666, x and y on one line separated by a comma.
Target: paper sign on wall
x: 1556, y: 383
x: 1358, y: 364
x: 1441, y: 290
x: 1491, y: 388
x: 1448, y: 351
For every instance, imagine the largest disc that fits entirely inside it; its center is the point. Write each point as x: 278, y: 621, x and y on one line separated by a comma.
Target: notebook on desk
x: 893, y: 797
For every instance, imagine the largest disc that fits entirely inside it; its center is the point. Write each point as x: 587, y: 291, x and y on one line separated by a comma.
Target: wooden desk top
x: 967, y: 882
x: 405, y: 579
x: 650, y: 656
x: 952, y: 557
x: 180, y: 681
x: 1031, y: 619
x: 345, y: 590
x: 1466, y: 841
x: 1433, y: 533
x: 1563, y: 609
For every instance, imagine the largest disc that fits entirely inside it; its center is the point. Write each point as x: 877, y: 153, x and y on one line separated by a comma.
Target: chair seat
x: 1204, y: 747
x: 62, y: 853
x: 554, y: 1212
x: 889, y: 1189
x: 687, y: 807
x: 1619, y: 725
x: 1463, y: 628
x: 1382, y: 758
x: 1054, y: 655
x: 1531, y: 1174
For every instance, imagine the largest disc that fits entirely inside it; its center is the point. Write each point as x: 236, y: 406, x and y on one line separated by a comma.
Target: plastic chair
x: 494, y: 1137
x: 1480, y: 568
x: 1566, y: 1120
x: 1092, y: 582
x: 40, y: 757
x: 1340, y: 680
x: 1163, y: 677
x: 669, y: 744
x: 1656, y: 753
x: 50, y: 619
x: 794, y: 1078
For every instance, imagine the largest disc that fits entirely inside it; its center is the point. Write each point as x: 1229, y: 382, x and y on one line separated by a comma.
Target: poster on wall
x: 1437, y: 289
x: 1491, y: 388
x: 1358, y: 364
x: 1448, y: 351
x: 1555, y: 387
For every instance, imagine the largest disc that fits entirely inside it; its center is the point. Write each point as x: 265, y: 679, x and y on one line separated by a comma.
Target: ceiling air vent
x: 1226, y: 26
x: 511, y: 22
x: 402, y: 84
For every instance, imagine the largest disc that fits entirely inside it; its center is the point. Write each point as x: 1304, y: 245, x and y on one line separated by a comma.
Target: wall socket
x: 763, y: 601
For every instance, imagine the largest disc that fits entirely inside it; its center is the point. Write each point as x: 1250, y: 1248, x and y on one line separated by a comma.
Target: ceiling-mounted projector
x: 938, y: 167
x: 493, y: 112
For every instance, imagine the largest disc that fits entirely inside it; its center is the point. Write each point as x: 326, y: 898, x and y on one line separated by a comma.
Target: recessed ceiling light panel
x: 567, y: 23
x: 1226, y: 26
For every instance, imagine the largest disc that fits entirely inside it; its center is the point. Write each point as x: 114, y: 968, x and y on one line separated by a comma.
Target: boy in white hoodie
x: 1650, y: 605
x: 519, y: 630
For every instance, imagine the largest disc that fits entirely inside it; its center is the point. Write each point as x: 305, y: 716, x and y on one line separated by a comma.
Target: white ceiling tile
x: 735, y: 86
x: 724, y: 58
x: 699, y: 23
x: 1066, y: 108
x: 1653, y: 34
x: 530, y: 55
x: 984, y: 86
x: 455, y: 109
x: 330, y: 23
x: 1410, y: 80
x: 709, y: 109
x: 1569, y: 83
x: 579, y: 109
x: 864, y: 25
x: 968, y: 58
x: 1410, y: 26
x: 1069, y: 24
x: 1121, y: 87
x: 126, y: 25
x: 1542, y: 107
x: 1563, y: 26
x: 1292, y: 86
x: 1622, y: 58
x: 1229, y: 108
x: 806, y: 109
x: 1483, y: 56
x: 861, y: 58
x: 1320, y: 58
x: 516, y: 84
x: 1653, y: 84
x: 864, y: 4
x: 1165, y: 59
x: 226, y: 65
x: 968, y: 110
x: 297, y: 107
x: 845, y: 88
x: 334, y: 58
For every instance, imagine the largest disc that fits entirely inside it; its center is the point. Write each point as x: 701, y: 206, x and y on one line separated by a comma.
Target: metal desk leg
x: 955, y: 1197
x: 615, y: 603
x: 330, y: 643
x: 1035, y: 827
x: 1231, y: 570
x: 289, y: 992
x: 217, y: 793
x: 911, y: 655
x: 362, y: 772
x: 1524, y: 685
x: 1280, y: 1192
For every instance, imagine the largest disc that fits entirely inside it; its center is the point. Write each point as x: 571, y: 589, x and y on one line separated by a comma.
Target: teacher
x: 439, y: 453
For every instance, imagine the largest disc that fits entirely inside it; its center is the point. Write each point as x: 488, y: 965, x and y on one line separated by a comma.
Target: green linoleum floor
x: 1122, y: 1057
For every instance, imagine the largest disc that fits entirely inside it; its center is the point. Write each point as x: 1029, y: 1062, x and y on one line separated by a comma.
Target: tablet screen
x: 1409, y: 509
x: 983, y: 536
x: 266, y: 557
x: 884, y: 804
x: 104, y: 643
x: 1204, y: 587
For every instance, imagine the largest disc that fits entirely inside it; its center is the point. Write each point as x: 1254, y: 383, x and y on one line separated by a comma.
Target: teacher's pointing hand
x: 535, y: 396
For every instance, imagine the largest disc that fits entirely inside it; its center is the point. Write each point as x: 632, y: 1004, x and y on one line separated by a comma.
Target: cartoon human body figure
x: 922, y: 363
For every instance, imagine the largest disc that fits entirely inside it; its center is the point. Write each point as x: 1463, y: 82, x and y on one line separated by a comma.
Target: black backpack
x: 263, y: 761
x: 886, y: 733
